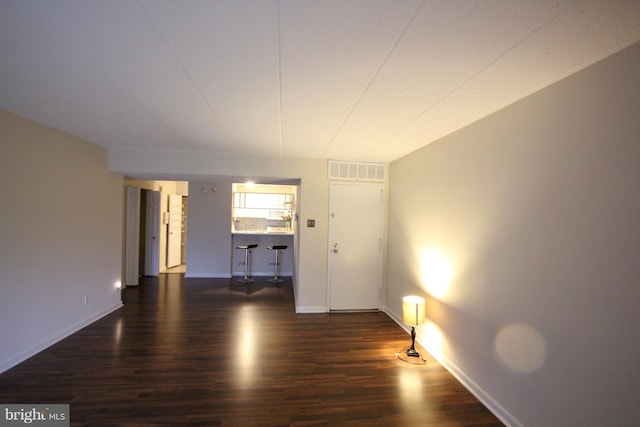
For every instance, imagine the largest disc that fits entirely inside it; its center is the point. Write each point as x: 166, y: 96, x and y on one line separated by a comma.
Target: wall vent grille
x: 356, y: 171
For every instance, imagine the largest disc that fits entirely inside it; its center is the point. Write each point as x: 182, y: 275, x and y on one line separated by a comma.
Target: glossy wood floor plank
x: 210, y: 352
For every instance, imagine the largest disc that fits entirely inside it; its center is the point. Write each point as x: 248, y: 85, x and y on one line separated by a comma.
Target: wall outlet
x: 311, y: 223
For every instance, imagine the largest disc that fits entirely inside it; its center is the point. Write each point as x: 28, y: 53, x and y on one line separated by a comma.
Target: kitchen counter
x: 262, y: 258
x: 269, y: 231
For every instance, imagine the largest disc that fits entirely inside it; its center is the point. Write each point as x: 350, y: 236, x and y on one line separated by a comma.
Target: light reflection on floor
x: 246, y: 346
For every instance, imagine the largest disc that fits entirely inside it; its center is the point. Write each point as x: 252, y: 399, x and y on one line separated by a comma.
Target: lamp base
x: 412, y: 352
x: 410, y: 357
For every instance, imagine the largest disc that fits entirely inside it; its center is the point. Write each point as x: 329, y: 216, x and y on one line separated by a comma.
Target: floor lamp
x: 413, y: 314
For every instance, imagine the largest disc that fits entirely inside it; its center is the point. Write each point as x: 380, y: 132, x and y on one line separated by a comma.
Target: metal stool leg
x: 275, y: 278
x: 246, y: 279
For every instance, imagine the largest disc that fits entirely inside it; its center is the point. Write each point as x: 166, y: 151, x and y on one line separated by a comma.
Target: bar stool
x: 247, y: 249
x: 277, y: 249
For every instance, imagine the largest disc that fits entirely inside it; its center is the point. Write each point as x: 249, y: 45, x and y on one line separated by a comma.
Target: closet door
x: 152, y: 235
x: 132, y: 236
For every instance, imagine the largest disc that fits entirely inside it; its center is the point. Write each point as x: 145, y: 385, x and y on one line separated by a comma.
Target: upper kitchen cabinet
x: 263, y: 202
x: 262, y: 205
x: 265, y: 209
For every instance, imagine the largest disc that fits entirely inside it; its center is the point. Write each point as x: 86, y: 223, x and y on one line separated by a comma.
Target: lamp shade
x: 413, y: 310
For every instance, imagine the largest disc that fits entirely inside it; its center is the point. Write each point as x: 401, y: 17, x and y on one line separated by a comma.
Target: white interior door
x: 355, y: 245
x: 174, y: 242
x: 132, y: 236
x: 152, y: 235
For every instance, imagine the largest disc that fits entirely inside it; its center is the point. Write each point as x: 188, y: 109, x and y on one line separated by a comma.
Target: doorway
x: 147, y: 228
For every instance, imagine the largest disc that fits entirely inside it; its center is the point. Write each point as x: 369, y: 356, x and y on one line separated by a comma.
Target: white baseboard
x: 484, y: 397
x: 208, y: 275
x: 311, y: 309
x: 234, y: 274
x: 262, y: 273
x: 21, y: 357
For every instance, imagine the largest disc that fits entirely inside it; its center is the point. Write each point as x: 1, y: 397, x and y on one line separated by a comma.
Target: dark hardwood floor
x: 205, y: 352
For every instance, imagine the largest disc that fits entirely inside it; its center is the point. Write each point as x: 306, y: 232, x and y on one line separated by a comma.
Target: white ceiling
x: 365, y: 80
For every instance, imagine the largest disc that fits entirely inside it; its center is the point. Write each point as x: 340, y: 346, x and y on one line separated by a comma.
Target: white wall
x: 310, y: 274
x: 534, y: 215
x: 61, y: 234
x: 209, y: 232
